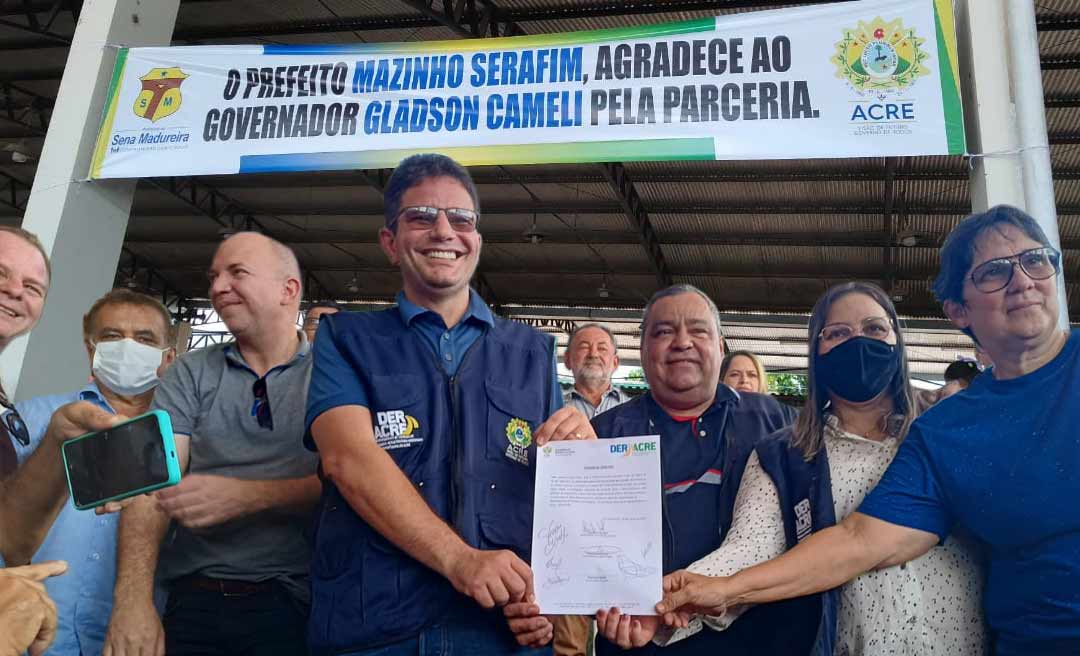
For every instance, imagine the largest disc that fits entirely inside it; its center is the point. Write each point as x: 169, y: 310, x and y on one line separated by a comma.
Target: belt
x: 225, y: 587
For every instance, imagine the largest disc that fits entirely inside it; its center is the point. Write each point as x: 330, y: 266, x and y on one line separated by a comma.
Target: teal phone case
x: 172, y: 463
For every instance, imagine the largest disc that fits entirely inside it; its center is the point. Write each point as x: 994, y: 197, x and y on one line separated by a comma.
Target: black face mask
x: 859, y: 369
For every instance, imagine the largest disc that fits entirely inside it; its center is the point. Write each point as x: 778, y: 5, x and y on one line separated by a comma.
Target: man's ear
x: 957, y: 313
x: 167, y: 358
x: 388, y: 244
x: 290, y: 291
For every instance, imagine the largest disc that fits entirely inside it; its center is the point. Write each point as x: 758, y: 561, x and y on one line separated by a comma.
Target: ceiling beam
x: 542, y: 174
x: 602, y: 207
x: 889, y: 224
x: 1061, y: 102
x: 1064, y: 138
x: 1057, y: 22
x: 590, y: 269
x: 1065, y: 63
x: 609, y: 237
x: 14, y: 193
x: 137, y: 263
x: 635, y: 210
x: 25, y: 108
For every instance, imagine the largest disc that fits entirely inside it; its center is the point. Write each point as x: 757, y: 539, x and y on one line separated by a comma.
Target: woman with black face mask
x: 813, y: 474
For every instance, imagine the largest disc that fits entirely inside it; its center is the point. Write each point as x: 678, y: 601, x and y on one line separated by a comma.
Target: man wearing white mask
x: 129, y: 340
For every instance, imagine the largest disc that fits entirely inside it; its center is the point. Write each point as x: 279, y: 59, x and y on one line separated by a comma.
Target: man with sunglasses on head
x: 426, y: 418
x: 33, y: 492
x: 236, y: 559
x: 999, y: 459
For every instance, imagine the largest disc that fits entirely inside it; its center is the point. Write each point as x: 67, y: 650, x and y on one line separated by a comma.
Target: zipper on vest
x: 457, y: 448
x: 455, y: 457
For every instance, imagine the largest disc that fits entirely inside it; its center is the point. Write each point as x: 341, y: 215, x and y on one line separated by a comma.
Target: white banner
x: 870, y: 78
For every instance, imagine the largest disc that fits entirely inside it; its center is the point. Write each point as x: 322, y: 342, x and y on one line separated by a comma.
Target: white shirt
x: 931, y: 605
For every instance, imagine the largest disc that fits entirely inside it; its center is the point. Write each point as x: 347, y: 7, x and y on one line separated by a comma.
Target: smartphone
x: 131, y: 458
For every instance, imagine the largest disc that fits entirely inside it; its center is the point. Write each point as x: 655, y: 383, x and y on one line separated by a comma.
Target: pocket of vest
x: 397, y: 418
x: 512, y: 418
x: 334, y: 540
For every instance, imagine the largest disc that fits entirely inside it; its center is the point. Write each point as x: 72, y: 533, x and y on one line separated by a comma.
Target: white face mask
x: 127, y: 367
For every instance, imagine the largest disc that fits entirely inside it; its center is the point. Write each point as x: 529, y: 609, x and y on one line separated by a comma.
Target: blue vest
x: 466, y: 444
x: 806, y: 504
x: 748, y: 419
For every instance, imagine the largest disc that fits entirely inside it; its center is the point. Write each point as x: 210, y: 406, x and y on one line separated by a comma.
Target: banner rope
x: 972, y: 157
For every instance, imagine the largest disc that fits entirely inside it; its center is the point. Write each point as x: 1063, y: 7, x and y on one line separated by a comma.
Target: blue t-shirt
x: 1001, y: 460
x: 84, y: 595
x: 334, y: 383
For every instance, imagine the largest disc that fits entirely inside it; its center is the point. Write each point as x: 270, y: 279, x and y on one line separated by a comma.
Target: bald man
x: 236, y: 567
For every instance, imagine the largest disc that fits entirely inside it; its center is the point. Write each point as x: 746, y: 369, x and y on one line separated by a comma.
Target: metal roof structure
x: 563, y: 243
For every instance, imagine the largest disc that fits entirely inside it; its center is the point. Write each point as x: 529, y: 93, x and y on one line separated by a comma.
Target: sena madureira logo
x: 160, y: 95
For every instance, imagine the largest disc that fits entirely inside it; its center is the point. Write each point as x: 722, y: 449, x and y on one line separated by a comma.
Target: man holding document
x: 426, y: 418
x: 706, y: 433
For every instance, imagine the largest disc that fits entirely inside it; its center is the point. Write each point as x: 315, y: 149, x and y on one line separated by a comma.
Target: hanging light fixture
x: 532, y: 234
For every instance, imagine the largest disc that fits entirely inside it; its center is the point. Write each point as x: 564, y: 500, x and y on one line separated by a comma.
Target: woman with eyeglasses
x: 815, y: 473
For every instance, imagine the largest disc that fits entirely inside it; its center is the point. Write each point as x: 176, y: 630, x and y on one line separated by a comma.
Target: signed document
x: 596, y: 526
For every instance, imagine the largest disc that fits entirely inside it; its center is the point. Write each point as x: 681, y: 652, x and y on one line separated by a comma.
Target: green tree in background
x: 788, y: 384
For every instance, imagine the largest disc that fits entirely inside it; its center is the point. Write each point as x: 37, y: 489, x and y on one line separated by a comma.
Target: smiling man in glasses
x: 236, y: 564
x: 999, y: 459
x: 33, y: 492
x: 426, y: 418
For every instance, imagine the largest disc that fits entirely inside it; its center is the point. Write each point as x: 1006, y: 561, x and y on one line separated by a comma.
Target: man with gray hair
x: 236, y: 562
x: 707, y: 433
x: 592, y: 355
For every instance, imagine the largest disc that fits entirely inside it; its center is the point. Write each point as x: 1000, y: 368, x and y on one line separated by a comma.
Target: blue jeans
x: 456, y: 637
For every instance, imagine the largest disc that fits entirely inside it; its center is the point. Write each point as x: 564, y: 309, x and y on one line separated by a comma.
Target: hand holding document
x: 597, y: 526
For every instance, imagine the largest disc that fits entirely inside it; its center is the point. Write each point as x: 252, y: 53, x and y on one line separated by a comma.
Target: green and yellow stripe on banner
x: 949, y: 71
x: 109, y: 115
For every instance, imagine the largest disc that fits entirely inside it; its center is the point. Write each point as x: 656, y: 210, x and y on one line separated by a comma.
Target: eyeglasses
x: 424, y: 218
x: 995, y: 275
x: 872, y: 327
x: 14, y: 424
x: 261, y: 408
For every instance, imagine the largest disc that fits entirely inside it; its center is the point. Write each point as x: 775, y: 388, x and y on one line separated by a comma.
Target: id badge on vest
x: 396, y: 430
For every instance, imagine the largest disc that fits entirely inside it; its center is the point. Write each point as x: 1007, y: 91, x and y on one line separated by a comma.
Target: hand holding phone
x: 132, y: 457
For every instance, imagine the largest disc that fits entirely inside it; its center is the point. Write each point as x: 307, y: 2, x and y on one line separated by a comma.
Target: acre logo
x: 880, y: 57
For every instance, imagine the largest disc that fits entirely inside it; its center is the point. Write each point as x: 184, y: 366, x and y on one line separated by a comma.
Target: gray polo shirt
x: 208, y: 394
x: 609, y: 400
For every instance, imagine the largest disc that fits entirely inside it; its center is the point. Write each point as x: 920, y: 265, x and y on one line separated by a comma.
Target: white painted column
x: 1031, y: 123
x: 81, y: 224
x: 989, y: 114
x: 1004, y: 113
